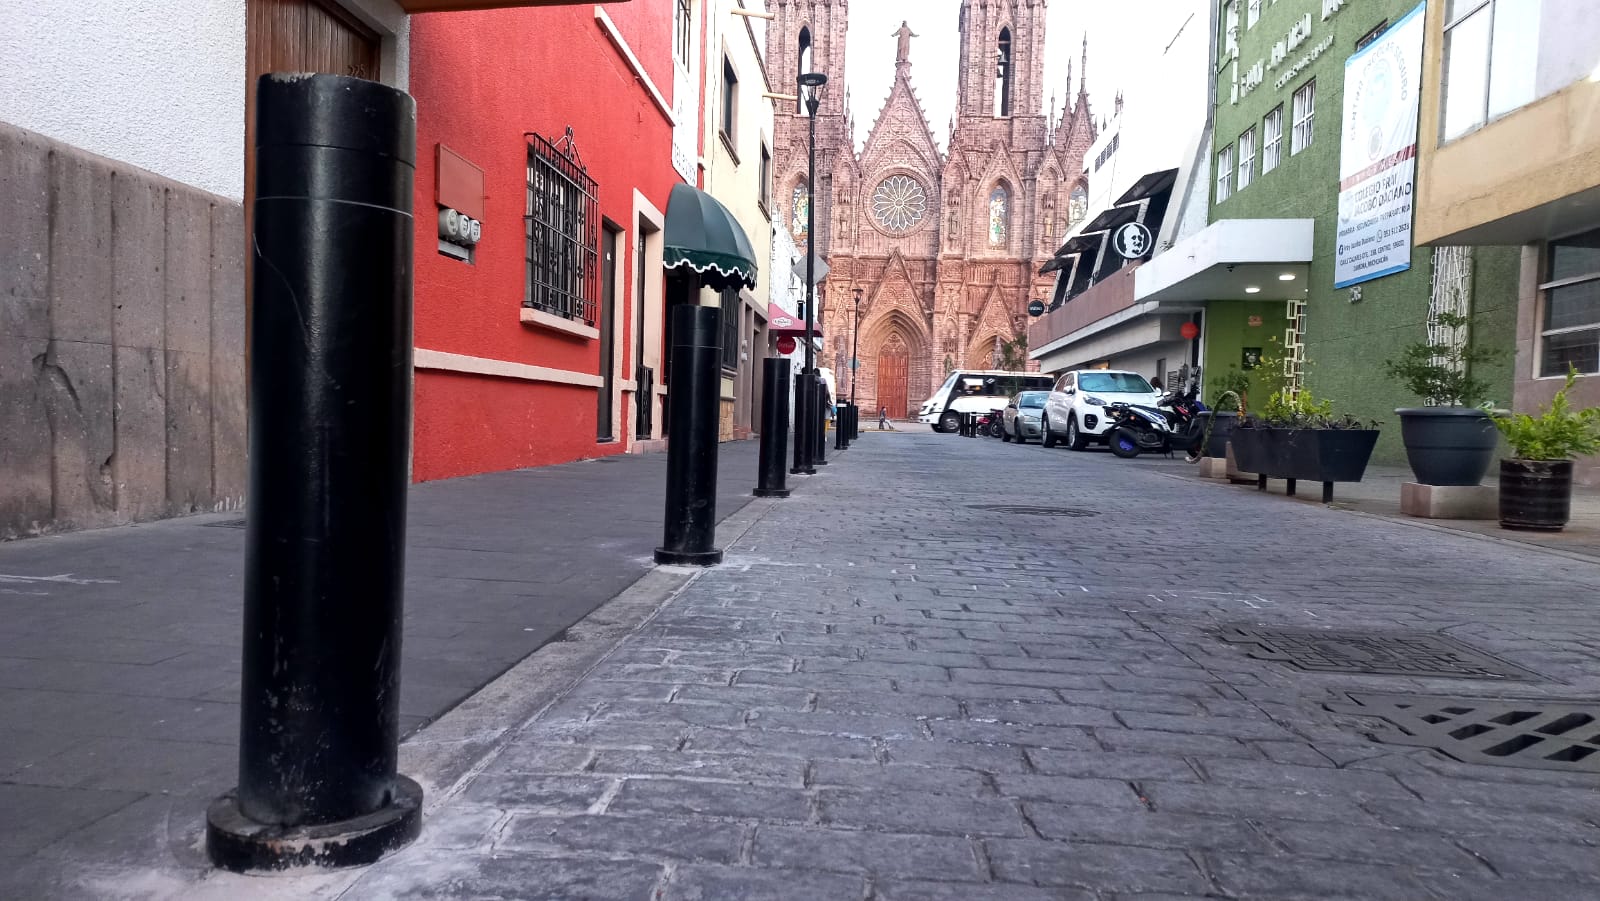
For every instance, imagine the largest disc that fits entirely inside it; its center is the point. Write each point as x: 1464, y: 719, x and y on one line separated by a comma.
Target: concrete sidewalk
x: 119, y: 655
x: 1005, y: 678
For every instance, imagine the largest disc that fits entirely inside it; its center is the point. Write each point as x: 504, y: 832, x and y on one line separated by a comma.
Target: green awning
x: 704, y: 236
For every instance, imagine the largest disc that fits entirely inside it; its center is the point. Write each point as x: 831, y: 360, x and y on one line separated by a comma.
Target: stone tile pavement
x: 893, y: 691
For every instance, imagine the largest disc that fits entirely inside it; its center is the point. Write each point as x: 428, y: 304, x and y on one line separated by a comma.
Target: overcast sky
x: 1117, y: 39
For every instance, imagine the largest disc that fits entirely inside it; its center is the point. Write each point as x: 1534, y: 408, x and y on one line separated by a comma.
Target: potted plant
x: 1452, y: 440
x: 1298, y: 438
x: 1232, y: 391
x: 1536, y: 484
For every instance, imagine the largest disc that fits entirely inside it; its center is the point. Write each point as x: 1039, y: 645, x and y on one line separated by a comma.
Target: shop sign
x: 1290, y: 73
x: 1253, y: 77
x: 1132, y: 240
x: 1378, y: 154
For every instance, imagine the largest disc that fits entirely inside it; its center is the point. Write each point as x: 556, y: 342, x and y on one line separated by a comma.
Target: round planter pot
x: 1220, y: 432
x: 1535, y: 494
x: 1448, y: 445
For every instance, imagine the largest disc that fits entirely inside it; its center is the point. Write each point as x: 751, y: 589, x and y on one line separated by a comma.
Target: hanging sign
x: 1132, y: 241
x: 1036, y: 308
x: 786, y: 344
x: 1378, y: 154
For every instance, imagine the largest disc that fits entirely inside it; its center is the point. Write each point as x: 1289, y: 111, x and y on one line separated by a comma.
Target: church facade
x: 943, y: 246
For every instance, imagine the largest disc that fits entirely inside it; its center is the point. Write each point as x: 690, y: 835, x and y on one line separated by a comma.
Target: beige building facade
x: 1509, y: 154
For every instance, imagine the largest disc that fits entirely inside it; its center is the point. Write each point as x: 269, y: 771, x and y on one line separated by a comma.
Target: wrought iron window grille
x: 562, y: 231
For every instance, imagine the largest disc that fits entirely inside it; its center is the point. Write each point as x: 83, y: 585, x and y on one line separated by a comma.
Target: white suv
x: 1075, y: 414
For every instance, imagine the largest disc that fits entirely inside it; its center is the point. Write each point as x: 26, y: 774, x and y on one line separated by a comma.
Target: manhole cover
x: 226, y: 524
x: 1019, y: 510
x: 1521, y: 733
x: 1398, y: 653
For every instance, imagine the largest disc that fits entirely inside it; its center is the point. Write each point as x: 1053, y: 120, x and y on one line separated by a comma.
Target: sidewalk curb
x: 1406, y: 521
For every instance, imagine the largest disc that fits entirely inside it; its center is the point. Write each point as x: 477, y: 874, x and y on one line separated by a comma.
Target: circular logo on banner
x: 786, y: 344
x: 1036, y: 308
x: 1132, y: 241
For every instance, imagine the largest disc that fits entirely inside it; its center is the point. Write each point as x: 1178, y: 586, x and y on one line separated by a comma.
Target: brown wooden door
x: 893, y: 368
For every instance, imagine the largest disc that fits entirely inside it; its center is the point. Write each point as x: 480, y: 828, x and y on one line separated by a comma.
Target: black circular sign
x: 1036, y: 308
x: 1132, y: 241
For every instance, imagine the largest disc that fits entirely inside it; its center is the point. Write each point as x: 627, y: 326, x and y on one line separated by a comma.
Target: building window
x: 1305, y: 113
x: 730, y: 100
x: 1002, y: 75
x: 1272, y: 131
x: 1077, y: 204
x: 1230, y: 31
x: 800, y: 212
x: 1570, y: 333
x: 765, y: 188
x: 730, y: 330
x: 1224, y: 173
x: 1247, y: 158
x: 803, y: 59
x: 682, y: 33
x: 1492, y: 63
x: 562, y: 227
x: 999, y: 216
x: 1252, y: 14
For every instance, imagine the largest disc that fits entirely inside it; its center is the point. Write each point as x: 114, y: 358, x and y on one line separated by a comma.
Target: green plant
x: 1014, y: 354
x: 1235, y: 382
x: 1441, y: 374
x: 1558, y: 433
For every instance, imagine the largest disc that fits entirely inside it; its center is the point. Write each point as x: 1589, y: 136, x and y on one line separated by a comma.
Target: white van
x: 976, y: 391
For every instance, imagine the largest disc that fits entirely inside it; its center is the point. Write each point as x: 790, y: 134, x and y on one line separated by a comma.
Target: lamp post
x: 812, y: 87
x: 855, y: 350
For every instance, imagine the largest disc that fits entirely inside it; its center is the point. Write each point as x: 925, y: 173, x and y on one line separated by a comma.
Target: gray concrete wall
x: 122, y: 353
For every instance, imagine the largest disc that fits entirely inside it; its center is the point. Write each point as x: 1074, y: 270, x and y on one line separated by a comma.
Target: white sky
x: 1118, y: 36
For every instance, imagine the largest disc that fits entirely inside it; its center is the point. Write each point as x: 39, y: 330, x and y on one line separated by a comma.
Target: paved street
x: 893, y: 691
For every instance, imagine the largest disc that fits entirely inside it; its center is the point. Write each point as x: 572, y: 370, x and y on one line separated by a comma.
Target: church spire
x: 1083, y: 74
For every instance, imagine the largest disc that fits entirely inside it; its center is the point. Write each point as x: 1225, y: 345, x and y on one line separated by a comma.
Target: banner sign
x: 1378, y: 154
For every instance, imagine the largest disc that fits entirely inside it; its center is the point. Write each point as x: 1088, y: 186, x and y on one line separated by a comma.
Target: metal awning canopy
x: 1231, y: 259
x: 780, y: 323
x: 1148, y: 186
x: 1111, y: 218
x: 441, y: 6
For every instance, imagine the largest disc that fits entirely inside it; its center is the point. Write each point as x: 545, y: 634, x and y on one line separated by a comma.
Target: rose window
x: 899, y: 203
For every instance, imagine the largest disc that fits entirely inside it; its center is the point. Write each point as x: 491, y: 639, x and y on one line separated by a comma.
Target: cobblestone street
x: 894, y: 691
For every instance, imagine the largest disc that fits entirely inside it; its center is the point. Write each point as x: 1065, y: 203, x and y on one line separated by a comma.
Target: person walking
x: 883, y: 418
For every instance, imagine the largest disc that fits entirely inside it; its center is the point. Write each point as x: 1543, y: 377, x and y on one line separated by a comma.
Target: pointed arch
x: 797, y: 195
x: 1078, y: 202
x: 1004, y: 69
x: 802, y: 65
x: 997, y: 208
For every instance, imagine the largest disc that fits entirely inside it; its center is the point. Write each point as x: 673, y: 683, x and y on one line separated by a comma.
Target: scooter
x: 1174, y: 423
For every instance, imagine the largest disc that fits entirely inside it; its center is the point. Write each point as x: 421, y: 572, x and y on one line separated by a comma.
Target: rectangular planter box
x: 1310, y: 455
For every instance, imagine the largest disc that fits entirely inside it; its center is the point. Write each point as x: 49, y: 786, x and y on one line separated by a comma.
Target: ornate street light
x: 813, y: 86
x: 855, y: 352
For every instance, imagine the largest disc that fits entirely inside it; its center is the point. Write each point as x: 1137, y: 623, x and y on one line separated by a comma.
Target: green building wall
x: 1346, y: 340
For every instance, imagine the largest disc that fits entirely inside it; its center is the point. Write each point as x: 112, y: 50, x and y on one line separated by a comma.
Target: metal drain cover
x: 1022, y: 510
x: 226, y: 524
x: 1381, y: 653
x: 1521, y: 733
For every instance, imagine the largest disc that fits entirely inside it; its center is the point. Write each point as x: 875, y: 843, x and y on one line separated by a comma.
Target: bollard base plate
x: 238, y: 843
x: 688, y: 558
x: 800, y: 471
x: 771, y: 492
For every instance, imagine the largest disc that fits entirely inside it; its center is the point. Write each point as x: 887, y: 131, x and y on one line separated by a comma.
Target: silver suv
x: 1075, y: 411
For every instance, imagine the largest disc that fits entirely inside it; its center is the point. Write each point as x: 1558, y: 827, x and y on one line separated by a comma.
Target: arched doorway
x: 894, y: 365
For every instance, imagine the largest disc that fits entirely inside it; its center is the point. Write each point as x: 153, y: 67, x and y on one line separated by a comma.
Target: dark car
x: 1021, y: 416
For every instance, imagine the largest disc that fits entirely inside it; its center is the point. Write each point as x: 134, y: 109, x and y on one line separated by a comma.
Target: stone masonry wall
x: 122, y: 342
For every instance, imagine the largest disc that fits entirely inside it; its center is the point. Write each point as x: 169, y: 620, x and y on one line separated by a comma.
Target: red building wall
x: 481, y: 80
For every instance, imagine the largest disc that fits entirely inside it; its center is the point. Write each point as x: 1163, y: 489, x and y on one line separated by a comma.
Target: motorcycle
x: 1175, y: 423
x: 991, y: 424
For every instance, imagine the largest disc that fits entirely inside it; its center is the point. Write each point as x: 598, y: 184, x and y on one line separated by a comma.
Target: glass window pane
x: 1575, y: 256
x: 1457, y: 8
x: 1514, y: 65
x: 1466, y: 73
x: 1572, y: 306
x: 1576, y: 349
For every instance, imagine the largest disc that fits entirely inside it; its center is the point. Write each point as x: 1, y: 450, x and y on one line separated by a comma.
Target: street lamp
x: 813, y: 85
x: 855, y: 351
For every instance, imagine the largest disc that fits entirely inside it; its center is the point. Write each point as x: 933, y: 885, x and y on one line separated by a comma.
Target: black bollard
x: 855, y: 421
x: 774, y: 427
x: 330, y: 446
x: 839, y: 443
x: 843, y: 424
x: 804, y: 445
x: 690, y: 533
x: 819, y: 422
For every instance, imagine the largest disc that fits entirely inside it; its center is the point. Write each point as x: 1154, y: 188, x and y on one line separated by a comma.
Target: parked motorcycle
x: 1175, y: 423
x: 992, y: 424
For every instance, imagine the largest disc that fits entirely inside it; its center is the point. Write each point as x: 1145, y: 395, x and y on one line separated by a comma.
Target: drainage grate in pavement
x: 1497, y: 731
x: 1391, y: 653
x: 226, y: 524
x: 1020, y: 510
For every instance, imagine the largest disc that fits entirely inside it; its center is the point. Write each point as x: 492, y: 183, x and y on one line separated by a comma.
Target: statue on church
x: 905, y: 36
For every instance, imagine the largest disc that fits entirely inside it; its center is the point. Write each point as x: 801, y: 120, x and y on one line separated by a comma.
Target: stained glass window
x: 801, y: 207
x: 999, y: 215
x: 1078, y: 204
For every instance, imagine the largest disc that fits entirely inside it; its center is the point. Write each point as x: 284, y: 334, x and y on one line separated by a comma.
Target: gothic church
x: 944, y: 247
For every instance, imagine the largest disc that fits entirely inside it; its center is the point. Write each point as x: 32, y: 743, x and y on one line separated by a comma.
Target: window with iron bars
x: 562, y: 228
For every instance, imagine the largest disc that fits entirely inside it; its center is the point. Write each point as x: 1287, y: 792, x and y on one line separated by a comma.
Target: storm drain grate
x: 1496, y: 731
x: 226, y: 524
x: 1392, y: 653
x: 1019, y: 510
